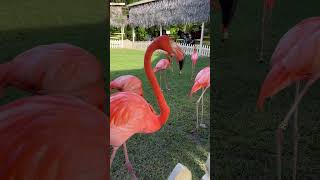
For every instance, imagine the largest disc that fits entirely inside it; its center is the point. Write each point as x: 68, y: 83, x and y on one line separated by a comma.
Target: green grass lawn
x: 155, y: 155
x: 244, y: 139
x: 25, y: 24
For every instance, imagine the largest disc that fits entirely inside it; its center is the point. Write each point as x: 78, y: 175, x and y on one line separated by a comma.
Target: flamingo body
x: 163, y: 64
x: 127, y: 83
x: 53, y: 138
x: 302, y: 62
x: 194, y: 57
x: 295, y: 35
x: 58, y: 68
x: 202, y: 80
x: 130, y: 114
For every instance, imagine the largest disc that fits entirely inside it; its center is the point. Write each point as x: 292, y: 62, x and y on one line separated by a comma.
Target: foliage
x: 141, y: 34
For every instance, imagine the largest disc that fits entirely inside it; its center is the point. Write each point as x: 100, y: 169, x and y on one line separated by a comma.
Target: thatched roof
x: 149, y: 13
x: 117, y: 16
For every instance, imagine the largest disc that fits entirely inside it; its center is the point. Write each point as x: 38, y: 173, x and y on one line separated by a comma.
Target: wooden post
x: 160, y: 30
x: 201, y: 39
x: 122, y: 33
x: 133, y: 35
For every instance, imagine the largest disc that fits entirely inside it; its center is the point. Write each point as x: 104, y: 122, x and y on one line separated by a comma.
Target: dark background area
x: 243, y: 140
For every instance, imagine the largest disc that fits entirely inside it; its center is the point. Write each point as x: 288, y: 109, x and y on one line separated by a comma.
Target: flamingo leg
x: 202, y: 109
x: 160, y: 72
x: 197, y: 106
x: 192, y: 70
x: 295, y: 136
x: 128, y: 164
x: 197, y: 110
x: 283, y: 125
x: 166, y: 80
x: 114, y: 151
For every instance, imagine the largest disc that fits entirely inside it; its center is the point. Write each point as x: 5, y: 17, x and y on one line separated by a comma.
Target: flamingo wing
x: 295, y: 35
x: 127, y: 83
x: 58, y: 69
x: 39, y: 132
x: 128, y: 109
x: 301, y: 63
x: 202, y: 80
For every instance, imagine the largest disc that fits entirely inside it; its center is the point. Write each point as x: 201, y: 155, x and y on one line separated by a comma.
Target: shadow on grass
x: 155, y: 155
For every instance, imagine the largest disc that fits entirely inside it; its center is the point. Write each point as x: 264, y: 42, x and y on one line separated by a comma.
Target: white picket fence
x: 141, y: 44
x: 187, y: 48
x: 115, y: 44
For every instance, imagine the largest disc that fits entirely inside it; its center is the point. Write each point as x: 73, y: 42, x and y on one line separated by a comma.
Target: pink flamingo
x: 300, y: 63
x: 294, y: 36
x: 268, y: 6
x: 58, y: 68
x: 127, y: 83
x: 52, y: 137
x: 162, y: 66
x: 168, y: 57
x: 194, y: 59
x: 131, y: 114
x: 202, y: 81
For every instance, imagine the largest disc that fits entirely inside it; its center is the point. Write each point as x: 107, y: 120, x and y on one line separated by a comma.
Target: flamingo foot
x: 129, y: 167
x: 131, y: 171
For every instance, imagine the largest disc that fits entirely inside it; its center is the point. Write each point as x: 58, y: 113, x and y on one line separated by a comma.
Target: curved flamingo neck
x: 164, y: 108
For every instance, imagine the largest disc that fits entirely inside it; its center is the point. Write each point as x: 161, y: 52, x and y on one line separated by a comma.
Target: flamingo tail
x: 195, y: 88
x: 277, y: 79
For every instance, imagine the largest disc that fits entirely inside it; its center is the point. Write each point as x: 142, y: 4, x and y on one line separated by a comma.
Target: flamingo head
x: 166, y: 44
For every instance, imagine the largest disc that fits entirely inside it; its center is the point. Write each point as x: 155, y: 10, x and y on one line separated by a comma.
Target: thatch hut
x: 118, y: 17
x: 160, y: 13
